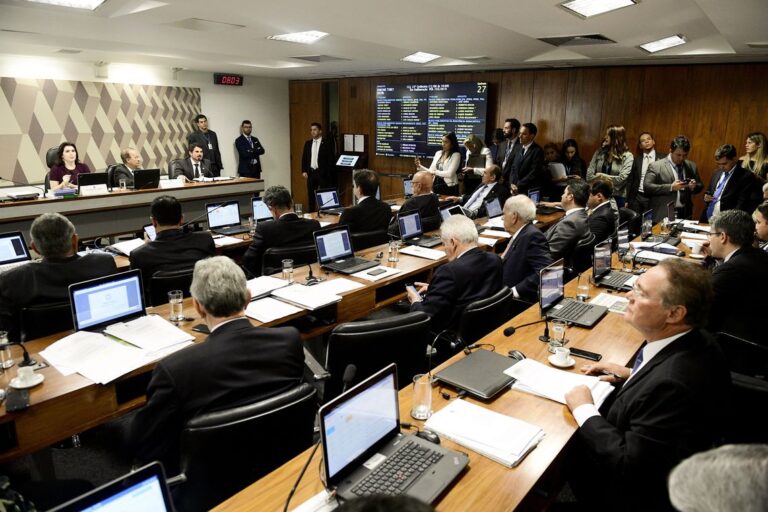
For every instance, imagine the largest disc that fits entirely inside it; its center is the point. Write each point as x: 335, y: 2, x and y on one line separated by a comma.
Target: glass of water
x: 394, y: 250
x: 557, y: 334
x: 251, y: 226
x: 288, y: 270
x: 421, y: 407
x: 582, y: 288
x: 176, y: 302
x: 123, y: 184
x: 6, y: 359
x: 299, y: 209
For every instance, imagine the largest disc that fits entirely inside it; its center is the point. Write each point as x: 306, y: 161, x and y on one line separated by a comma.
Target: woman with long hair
x: 444, y: 167
x: 613, y: 161
x: 68, y: 167
x: 756, y: 157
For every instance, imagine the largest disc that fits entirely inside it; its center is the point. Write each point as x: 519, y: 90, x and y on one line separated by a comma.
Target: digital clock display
x: 227, y: 79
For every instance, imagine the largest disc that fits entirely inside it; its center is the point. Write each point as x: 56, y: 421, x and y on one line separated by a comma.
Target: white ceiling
x: 372, y: 35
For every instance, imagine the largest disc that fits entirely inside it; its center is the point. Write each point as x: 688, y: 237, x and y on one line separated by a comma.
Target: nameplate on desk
x: 93, y: 190
x: 171, y: 184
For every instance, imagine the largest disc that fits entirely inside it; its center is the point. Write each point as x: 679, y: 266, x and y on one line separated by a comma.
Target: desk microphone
x: 25, y: 360
x: 509, y: 331
x: 23, y: 184
x: 312, y: 280
x: 207, y: 211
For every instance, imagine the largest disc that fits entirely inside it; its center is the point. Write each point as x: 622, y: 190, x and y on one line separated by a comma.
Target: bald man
x: 423, y: 200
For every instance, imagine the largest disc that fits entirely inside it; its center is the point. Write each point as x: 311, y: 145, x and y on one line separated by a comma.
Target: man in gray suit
x: 563, y: 236
x: 673, y: 179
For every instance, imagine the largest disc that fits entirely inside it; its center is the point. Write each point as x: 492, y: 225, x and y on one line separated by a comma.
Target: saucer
x: 36, y: 379
x: 554, y: 362
x: 696, y: 256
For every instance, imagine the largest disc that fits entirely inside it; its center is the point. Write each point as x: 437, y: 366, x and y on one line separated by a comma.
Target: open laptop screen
x: 446, y: 212
x: 493, y: 207
x: 146, y: 178
x: 671, y: 212
x: 535, y: 195
x: 551, y: 280
x: 333, y: 245
x: 358, y: 420
x: 13, y: 248
x: 407, y: 187
x: 410, y: 225
x: 647, y: 223
x: 221, y: 215
x: 327, y: 199
x: 602, y: 259
x: 100, y: 302
x: 260, y: 210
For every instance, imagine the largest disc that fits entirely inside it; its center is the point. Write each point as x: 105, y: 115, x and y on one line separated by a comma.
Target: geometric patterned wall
x: 100, y: 118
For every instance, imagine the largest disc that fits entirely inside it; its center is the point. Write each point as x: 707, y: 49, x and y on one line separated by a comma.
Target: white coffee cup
x: 695, y: 248
x: 25, y: 374
x: 562, y: 355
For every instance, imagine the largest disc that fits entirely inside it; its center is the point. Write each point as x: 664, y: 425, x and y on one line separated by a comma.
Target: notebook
x: 411, y: 231
x: 106, y: 300
x: 146, y: 178
x: 13, y: 250
x: 534, y: 195
x: 480, y: 373
x: 601, y: 269
x: 328, y: 201
x: 361, y: 439
x: 224, y: 218
x: 260, y: 210
x: 334, y: 251
x: 553, y: 303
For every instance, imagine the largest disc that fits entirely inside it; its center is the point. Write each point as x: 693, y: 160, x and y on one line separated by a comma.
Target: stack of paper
x: 614, y: 303
x: 307, y: 297
x: 264, y: 285
x: 423, y: 252
x: 496, y: 222
x: 126, y: 247
x: 223, y: 241
x: 655, y: 247
x: 655, y: 256
x: 487, y: 241
x: 496, y: 233
x: 501, y: 438
x: 269, y: 309
x: 151, y: 333
x: 539, y: 379
x: 694, y: 225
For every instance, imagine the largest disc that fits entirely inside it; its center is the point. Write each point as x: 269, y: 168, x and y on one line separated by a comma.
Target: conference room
x: 129, y: 75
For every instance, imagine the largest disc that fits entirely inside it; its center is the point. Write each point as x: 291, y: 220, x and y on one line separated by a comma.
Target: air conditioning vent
x: 319, y: 58
x: 582, y: 40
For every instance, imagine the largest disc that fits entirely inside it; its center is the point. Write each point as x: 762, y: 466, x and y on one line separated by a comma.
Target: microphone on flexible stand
x: 25, y: 360
x: 204, y: 214
x: 23, y: 185
x: 509, y: 331
x: 312, y: 279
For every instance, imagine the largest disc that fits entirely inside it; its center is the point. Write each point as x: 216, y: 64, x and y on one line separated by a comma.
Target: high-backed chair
x: 372, y: 344
x: 50, y: 161
x: 164, y: 281
x: 41, y: 320
x: 633, y: 220
x: 366, y: 239
x: 272, y: 260
x: 581, y: 259
x: 174, y: 168
x: 223, y: 452
x: 111, y: 176
x: 482, y: 316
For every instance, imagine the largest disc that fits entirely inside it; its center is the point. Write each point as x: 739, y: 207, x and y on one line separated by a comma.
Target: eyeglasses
x: 715, y: 233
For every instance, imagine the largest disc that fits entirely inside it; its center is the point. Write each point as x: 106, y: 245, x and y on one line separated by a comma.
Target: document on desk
x: 655, y: 247
x: 423, y: 252
x: 127, y: 246
x: 496, y: 233
x: 386, y: 272
x: 487, y: 241
x: 692, y: 224
x: 223, y: 241
x: 269, y: 309
x: 692, y: 236
x: 324, y: 223
x: 539, y: 379
x: 264, y: 285
x: 501, y: 438
x: 496, y: 222
x: 307, y: 297
x: 164, y: 184
x: 614, y: 303
x: 151, y: 333
x: 656, y: 256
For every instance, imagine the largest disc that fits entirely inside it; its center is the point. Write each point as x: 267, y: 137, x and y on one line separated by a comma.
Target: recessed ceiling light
x: 663, y: 44
x: 588, y: 8
x: 76, y: 4
x: 308, y: 37
x: 420, y: 57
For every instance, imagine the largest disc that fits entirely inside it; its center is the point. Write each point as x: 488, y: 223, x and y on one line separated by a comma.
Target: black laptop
x: 89, y: 179
x: 98, y: 303
x: 365, y: 453
x: 554, y: 304
x: 411, y: 231
x: 647, y: 227
x: 534, y: 195
x: 481, y: 374
x: 13, y: 250
x: 260, y: 210
x: 328, y: 201
x: 601, y: 269
x: 224, y: 218
x: 494, y: 208
x: 146, y: 178
x: 334, y: 251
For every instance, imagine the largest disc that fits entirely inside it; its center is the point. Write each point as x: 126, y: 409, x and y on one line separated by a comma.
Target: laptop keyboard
x: 572, y: 310
x: 615, y: 279
x: 351, y: 263
x: 233, y: 230
x: 399, y: 471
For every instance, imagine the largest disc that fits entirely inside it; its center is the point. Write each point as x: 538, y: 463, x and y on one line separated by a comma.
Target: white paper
x: 92, y: 190
x: 614, y: 303
x: 539, y: 379
x: 151, y: 333
x: 349, y: 143
x: 665, y: 248
x: 127, y: 246
x: 692, y: 224
x: 395, y: 207
x: 557, y: 170
x: 325, y: 223
x: 423, y: 252
x: 320, y: 502
x: 263, y: 286
x: 359, y: 143
x: 337, y: 286
x: 656, y: 256
x: 171, y: 184
x: 496, y: 222
x: 487, y: 241
x: 269, y: 309
x: 307, y: 297
x: 693, y: 236
x: 365, y: 274
x: 222, y: 241
x: 496, y: 233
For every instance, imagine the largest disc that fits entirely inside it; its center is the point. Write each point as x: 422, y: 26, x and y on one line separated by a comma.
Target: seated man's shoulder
x: 97, y: 260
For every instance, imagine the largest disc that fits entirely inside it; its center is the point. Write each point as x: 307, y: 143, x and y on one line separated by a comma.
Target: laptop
x: 328, y: 201
x: 13, y: 250
x: 493, y: 208
x: 224, y: 218
x: 142, y: 489
x: 481, y: 374
x: 534, y: 195
x: 407, y: 187
x: 146, y: 178
x: 363, y: 446
x: 647, y: 227
x: 260, y: 210
x: 553, y: 303
x: 601, y: 269
x: 103, y: 301
x: 334, y: 251
x: 411, y: 232
x: 89, y: 179
x: 446, y: 212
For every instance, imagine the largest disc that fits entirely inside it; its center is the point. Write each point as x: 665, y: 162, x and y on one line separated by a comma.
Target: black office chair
x: 111, y: 176
x: 174, y: 168
x: 50, y: 160
x: 744, y: 356
x: 372, y: 344
x: 366, y: 239
x: 272, y: 260
x: 633, y: 220
x: 223, y: 452
x: 581, y: 258
x: 40, y: 320
x: 482, y: 316
x: 431, y: 223
x: 164, y: 281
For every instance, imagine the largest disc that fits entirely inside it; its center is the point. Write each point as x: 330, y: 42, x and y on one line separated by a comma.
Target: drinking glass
x: 288, y: 270
x: 582, y: 288
x: 299, y: 209
x: 394, y: 250
x: 421, y: 407
x: 176, y: 302
x: 123, y: 184
x: 6, y: 359
x: 251, y: 226
x: 557, y: 334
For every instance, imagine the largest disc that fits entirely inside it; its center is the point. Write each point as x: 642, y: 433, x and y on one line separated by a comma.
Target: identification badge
x: 210, y: 146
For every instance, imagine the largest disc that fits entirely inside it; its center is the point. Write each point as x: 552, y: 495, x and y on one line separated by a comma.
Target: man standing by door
x: 317, y: 163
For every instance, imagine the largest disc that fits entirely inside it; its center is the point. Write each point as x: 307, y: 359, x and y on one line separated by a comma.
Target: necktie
x: 197, y: 170
x: 680, y: 173
x: 638, y: 359
x: 646, y: 162
x: 716, y: 196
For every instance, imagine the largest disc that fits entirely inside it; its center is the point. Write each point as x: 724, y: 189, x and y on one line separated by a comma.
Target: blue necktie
x: 718, y: 192
x: 638, y: 360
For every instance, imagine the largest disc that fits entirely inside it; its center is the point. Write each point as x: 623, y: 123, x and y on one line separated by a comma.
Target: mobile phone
x: 376, y: 271
x: 149, y: 229
x: 411, y: 288
x: 16, y: 399
x: 586, y: 354
x: 201, y: 328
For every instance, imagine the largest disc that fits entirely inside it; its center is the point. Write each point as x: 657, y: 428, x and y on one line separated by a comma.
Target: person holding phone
x: 64, y: 174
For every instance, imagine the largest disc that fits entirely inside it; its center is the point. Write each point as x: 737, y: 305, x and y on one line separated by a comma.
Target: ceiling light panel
x: 663, y: 44
x: 420, y: 57
x: 589, y: 8
x: 308, y: 37
x: 90, y: 5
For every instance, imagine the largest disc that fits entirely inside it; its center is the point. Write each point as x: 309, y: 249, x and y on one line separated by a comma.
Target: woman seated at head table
x: 68, y: 167
x: 444, y: 166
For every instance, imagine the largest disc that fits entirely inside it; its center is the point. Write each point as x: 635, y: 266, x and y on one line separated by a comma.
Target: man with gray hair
x: 131, y: 162
x: 741, y: 280
x: 471, y: 274
x: 237, y: 364
x: 527, y: 251
x: 47, y: 281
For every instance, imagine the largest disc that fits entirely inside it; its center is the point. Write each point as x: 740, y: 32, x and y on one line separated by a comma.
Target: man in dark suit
x: 573, y: 227
x: 131, y: 162
x: 238, y: 364
x: 172, y: 248
x: 249, y: 150
x: 318, y: 164
x: 528, y: 169
x: 287, y: 230
x: 369, y: 214
x: 424, y: 201
x: 636, y: 196
x: 673, y: 179
x: 601, y: 218
x: 490, y: 188
x: 193, y: 167
x: 47, y: 281
x: 527, y: 252
x: 741, y: 280
x: 731, y: 187
x: 471, y: 274
x: 670, y: 405
x: 209, y: 141
x: 507, y: 151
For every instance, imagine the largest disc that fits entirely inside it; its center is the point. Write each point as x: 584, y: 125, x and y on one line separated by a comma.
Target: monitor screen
x: 622, y: 238
x: 602, y: 261
x: 327, y: 199
x: 493, y: 207
x: 647, y: 222
x: 551, y: 284
x: 260, y: 209
x: 410, y: 225
x: 145, y: 495
x: 13, y: 248
x: 333, y: 245
x: 223, y: 214
x: 407, y: 187
x: 534, y: 195
x: 107, y: 299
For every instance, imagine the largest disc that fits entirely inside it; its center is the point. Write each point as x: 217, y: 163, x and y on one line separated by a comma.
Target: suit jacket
x: 289, y: 230
x: 502, y: 151
x: 212, y: 155
x: 119, y: 172
x: 563, y: 236
x: 633, y: 183
x: 619, y: 171
x: 499, y: 190
x: 326, y: 162
x: 475, y: 275
x: 672, y: 408
x: 743, y: 192
x: 238, y: 364
x: 185, y: 167
x: 248, y: 153
x: 659, y: 177
x: 46, y: 281
x: 740, y: 284
x: 172, y: 249
x: 602, y: 222
x: 530, y: 169
x: 428, y: 206
x: 368, y: 215
x: 528, y: 254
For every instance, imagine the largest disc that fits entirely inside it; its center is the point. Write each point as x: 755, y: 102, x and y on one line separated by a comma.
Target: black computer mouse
x: 516, y: 354
x: 429, y: 436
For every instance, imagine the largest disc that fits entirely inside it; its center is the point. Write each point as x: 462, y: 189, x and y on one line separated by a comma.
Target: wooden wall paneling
x: 748, y: 102
x: 307, y: 105
x: 548, y: 107
x: 622, y: 104
x: 516, y: 96
x: 584, y: 108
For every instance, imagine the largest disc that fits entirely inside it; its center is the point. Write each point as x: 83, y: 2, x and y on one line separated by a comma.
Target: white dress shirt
x: 648, y: 158
x: 315, y: 150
